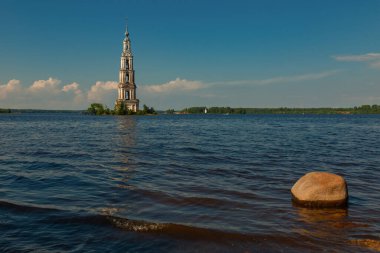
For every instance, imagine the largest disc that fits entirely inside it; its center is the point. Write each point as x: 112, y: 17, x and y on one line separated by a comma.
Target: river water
x: 184, y: 183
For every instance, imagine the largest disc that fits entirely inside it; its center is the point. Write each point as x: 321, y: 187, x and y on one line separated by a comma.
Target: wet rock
x: 320, y: 189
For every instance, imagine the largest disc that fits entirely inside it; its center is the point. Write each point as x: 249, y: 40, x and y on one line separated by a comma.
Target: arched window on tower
x: 127, y: 95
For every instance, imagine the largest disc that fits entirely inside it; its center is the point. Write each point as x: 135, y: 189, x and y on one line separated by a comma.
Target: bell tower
x: 127, y: 87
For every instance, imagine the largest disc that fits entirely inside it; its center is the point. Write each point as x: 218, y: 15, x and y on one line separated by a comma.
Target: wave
x: 171, y: 230
x: 25, y: 207
x: 179, y: 231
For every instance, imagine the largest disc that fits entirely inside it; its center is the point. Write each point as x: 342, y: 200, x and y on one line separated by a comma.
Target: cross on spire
x: 126, y: 27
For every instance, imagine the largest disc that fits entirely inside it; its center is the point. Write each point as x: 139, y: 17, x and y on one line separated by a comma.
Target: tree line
x: 5, y: 110
x: 364, y: 109
x: 100, y: 109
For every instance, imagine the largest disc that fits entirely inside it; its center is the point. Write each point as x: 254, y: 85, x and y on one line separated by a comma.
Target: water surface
x: 184, y: 183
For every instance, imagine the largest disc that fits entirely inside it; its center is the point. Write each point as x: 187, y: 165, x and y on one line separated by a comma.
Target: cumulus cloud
x: 74, y: 87
x: 10, y: 87
x: 50, y: 84
x: 50, y: 94
x: 175, y: 85
x: 101, y: 89
x: 46, y: 94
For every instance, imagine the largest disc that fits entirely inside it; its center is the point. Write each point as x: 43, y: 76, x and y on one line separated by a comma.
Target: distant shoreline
x: 364, y: 109
x: 6, y: 111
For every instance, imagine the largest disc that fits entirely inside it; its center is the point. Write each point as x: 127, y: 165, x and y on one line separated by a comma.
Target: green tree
x: 120, y: 109
x: 147, y: 110
x: 152, y: 111
x: 96, y: 108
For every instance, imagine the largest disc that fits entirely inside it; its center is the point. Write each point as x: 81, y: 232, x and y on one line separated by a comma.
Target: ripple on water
x: 173, y: 183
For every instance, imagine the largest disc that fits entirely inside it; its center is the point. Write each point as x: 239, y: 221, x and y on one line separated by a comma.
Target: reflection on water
x: 312, y: 216
x: 333, y: 225
x: 322, y: 223
x: 126, y: 127
x: 367, y: 243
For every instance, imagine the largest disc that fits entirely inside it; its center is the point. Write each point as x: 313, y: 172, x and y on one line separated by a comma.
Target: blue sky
x: 65, y: 54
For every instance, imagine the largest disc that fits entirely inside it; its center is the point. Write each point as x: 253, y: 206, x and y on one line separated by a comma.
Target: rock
x: 320, y: 189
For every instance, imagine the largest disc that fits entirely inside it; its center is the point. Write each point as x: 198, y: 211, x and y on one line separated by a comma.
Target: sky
x: 65, y: 54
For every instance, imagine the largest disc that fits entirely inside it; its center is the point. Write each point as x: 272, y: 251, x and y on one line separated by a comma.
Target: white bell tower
x: 127, y: 87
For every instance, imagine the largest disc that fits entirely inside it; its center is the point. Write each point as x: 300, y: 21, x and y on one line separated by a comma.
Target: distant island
x: 120, y: 109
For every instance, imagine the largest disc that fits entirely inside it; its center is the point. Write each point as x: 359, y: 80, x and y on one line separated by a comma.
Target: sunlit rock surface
x: 320, y: 189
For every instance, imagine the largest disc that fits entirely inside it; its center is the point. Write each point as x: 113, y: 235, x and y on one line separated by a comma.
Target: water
x: 184, y: 183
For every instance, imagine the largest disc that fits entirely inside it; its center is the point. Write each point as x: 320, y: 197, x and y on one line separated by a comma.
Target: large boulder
x: 320, y: 189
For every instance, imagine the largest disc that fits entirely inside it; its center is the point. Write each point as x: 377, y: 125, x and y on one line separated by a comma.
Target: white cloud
x: 10, y: 87
x: 50, y: 85
x: 50, y: 94
x: 373, y: 59
x: 181, y: 93
x: 72, y: 86
x: 280, y: 79
x: 174, y: 85
x: 100, y: 90
x: 46, y: 94
x: 358, y: 58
